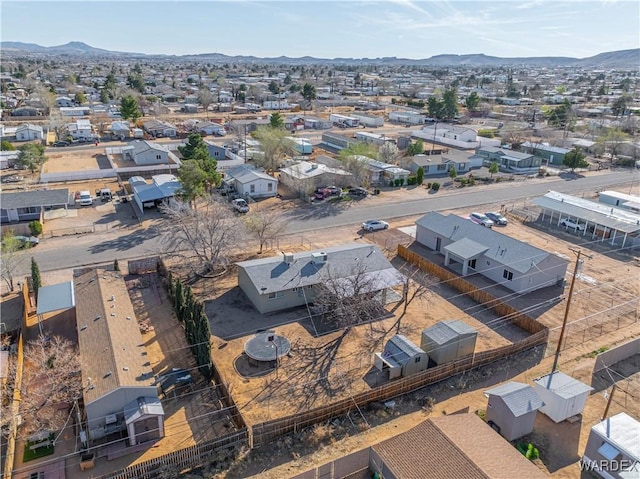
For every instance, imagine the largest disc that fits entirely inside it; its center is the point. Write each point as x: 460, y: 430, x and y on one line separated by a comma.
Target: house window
x: 508, y: 275
x: 472, y: 263
x: 158, y: 157
x: 270, y: 187
x: 215, y: 153
x: 417, y: 359
x: 295, y: 289
x: 276, y: 295
x: 442, y: 167
x: 252, y: 188
x: 310, y: 286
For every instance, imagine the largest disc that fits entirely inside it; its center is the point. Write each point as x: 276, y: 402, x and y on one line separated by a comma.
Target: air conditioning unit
x: 288, y: 258
x: 319, y: 258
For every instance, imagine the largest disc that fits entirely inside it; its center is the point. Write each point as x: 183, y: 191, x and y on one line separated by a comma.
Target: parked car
x: 480, y: 219
x: 374, y: 225
x: 60, y: 143
x: 322, y: 193
x: 240, y: 205
x: 27, y: 241
x: 358, y: 191
x: 12, y: 179
x: 84, y: 198
x: 497, y: 218
x: 574, y: 225
x: 333, y: 189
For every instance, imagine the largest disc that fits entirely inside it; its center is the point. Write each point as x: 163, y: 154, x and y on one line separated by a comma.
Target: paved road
x: 73, y: 251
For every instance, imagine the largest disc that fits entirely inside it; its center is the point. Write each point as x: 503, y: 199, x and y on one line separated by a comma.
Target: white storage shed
x: 448, y: 340
x: 563, y: 395
x: 401, y: 353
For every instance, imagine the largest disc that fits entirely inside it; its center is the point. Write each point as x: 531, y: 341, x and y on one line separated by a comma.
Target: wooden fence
x: 187, y: 458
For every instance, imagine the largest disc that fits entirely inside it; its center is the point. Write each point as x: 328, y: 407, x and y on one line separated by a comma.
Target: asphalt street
x: 75, y: 251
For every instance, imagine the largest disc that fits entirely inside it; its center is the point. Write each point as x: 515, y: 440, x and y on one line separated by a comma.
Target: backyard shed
x: 511, y: 409
x: 448, y: 340
x: 401, y: 353
x: 563, y: 395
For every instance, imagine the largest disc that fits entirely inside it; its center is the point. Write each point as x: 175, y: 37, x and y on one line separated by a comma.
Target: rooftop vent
x: 319, y: 258
x: 288, y: 258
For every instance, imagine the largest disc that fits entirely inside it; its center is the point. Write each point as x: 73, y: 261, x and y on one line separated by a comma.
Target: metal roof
x: 400, y: 350
x: 56, y: 297
x: 243, y: 174
x: 622, y: 431
x: 519, y: 398
x: 598, y: 213
x: 446, y: 331
x: 562, y: 385
x: 27, y: 199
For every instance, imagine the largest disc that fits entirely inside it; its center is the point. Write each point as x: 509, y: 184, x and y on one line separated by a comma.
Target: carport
x: 605, y: 221
x: 56, y: 297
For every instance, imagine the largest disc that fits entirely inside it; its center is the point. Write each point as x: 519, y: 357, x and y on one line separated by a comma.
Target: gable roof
x: 444, y: 331
x: 458, y: 445
x: 29, y: 126
x: 140, y: 146
x: 515, y: 254
x: 243, y: 174
x: 514, y: 155
x: 162, y: 186
x: 111, y: 346
x: 622, y: 431
x: 27, y: 199
x: 269, y: 275
x: 305, y: 169
x: 518, y: 397
x: 466, y: 248
x: 400, y: 350
x: 562, y: 385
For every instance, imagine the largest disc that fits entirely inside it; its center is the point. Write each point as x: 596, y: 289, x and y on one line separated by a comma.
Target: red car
x: 323, y: 193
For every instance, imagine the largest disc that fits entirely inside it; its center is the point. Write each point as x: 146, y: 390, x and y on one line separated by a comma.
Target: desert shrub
x: 435, y: 186
x: 487, y: 133
x: 35, y: 227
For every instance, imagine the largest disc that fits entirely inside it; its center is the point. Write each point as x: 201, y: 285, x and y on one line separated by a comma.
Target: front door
x: 438, y: 244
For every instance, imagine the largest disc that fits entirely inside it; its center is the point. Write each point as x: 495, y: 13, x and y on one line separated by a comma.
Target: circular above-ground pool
x: 267, y: 347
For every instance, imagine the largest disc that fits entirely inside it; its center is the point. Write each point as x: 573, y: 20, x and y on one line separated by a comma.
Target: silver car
x: 374, y: 225
x: 480, y: 219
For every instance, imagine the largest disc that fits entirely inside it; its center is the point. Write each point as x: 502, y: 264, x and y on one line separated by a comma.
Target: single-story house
x: 381, y: 172
x: 209, y: 128
x: 404, y: 356
x: 305, y: 176
x: 147, y: 195
x: 80, y: 130
x: 512, y: 409
x: 250, y: 183
x: 29, y: 132
x: 450, y: 135
x: 440, y: 165
x: 27, y: 111
x: 406, y: 118
x: 247, y: 126
x: 456, y: 445
x: 337, y: 142
x: 623, y: 200
x: 30, y: 205
x: 313, y: 123
x: 620, y: 226
x: 75, y: 110
x: 120, y: 130
x: 64, y: 101
x: 563, y: 395
x: 448, y: 340
x: 508, y: 160
x: 302, y: 145
x: 8, y: 159
x: 119, y: 388
x: 471, y: 248
x: 159, y: 129
x: 613, y: 448
x: 287, y: 281
x: 551, y: 155
x: 143, y: 152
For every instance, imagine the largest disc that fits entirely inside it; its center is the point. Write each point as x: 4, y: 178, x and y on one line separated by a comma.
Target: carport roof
x: 27, y: 199
x: 466, y: 248
x: 56, y: 297
x: 597, y: 213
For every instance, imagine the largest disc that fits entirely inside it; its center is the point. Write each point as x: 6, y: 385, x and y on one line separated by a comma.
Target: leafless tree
x: 205, y: 97
x: 357, y: 166
x: 389, y: 153
x: 265, y: 225
x: 205, y: 236
x: 11, y: 258
x: 51, y: 379
x: 346, y: 300
x: 275, y: 146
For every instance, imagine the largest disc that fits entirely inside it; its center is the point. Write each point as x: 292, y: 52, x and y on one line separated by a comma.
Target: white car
x: 240, y: 205
x: 480, y: 219
x: 373, y: 225
x: 84, y: 198
x: 567, y: 223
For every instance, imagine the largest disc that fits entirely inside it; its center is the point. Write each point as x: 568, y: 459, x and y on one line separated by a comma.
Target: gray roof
x: 520, y: 398
x: 466, y: 248
x: 599, y: 213
x: 449, y: 330
x: 143, y: 406
x: 544, y: 147
x: 400, y: 349
x: 55, y: 297
x: 243, y: 174
x: 269, y: 275
x: 27, y: 199
x: 563, y: 385
x: 517, y: 255
x: 622, y: 431
x: 140, y: 146
x: 163, y: 186
x: 514, y: 155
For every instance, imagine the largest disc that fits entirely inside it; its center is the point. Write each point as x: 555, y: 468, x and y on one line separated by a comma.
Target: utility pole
x: 566, y: 311
x: 606, y: 409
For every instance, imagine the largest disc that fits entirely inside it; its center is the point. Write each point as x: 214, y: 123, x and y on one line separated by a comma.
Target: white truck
x: 240, y: 205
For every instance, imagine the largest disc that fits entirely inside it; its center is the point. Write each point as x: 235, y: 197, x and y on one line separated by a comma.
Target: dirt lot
x: 80, y: 160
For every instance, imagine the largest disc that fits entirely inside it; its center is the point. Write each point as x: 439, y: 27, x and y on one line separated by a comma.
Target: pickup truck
x: 240, y: 205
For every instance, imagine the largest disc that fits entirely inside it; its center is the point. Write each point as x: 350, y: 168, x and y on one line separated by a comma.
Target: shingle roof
x: 563, y: 385
x: 448, y: 330
x: 27, y: 199
x: 111, y: 348
x: 244, y: 174
x: 519, y: 398
x: 517, y: 255
x: 466, y: 248
x: 272, y: 274
x: 140, y: 146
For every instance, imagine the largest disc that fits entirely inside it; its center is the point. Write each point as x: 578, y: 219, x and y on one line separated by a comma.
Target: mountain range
x: 617, y: 59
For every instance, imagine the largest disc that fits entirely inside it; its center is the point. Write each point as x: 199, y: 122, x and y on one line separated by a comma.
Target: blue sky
x: 330, y: 29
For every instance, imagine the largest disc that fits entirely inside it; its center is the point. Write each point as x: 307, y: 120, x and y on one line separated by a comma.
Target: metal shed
x: 401, y: 352
x: 448, y: 340
x: 563, y: 395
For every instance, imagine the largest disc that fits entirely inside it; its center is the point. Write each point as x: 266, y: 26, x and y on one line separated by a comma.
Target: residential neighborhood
x: 226, y: 266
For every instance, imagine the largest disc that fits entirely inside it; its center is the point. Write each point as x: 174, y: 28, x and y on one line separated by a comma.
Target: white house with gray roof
x: 508, y: 160
x: 29, y: 132
x: 512, y: 409
x: 451, y: 135
x: 469, y: 248
x: 251, y: 183
x: 289, y: 280
x: 144, y: 152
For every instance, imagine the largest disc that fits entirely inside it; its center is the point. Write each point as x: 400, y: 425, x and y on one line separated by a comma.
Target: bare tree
x: 11, y: 258
x: 265, y: 225
x: 389, y: 153
x: 51, y: 378
x: 205, y: 236
x: 205, y: 97
x: 357, y: 166
x: 275, y: 146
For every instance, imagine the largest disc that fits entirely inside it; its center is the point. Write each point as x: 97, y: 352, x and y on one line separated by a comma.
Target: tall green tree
x: 450, y: 103
x: 35, y: 277
x: 31, y: 156
x: 494, y: 168
x: 435, y: 108
x: 420, y: 175
x: 276, y: 121
x: 6, y: 146
x: 196, y: 150
x: 104, y: 96
x: 129, y: 108
x: 79, y: 98
x: 308, y: 93
x: 453, y: 173
x: 560, y: 117
x: 472, y: 101
x: 416, y: 148
x: 575, y: 159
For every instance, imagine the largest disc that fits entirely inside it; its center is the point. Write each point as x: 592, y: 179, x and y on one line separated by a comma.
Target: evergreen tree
x: 35, y: 277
